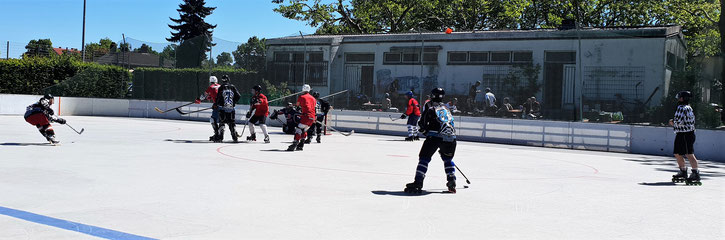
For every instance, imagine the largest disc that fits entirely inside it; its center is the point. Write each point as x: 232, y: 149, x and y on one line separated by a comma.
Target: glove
x: 60, y: 120
x: 249, y: 114
x: 403, y: 116
x: 197, y: 101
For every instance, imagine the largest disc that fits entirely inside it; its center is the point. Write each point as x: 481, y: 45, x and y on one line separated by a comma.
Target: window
x: 298, y: 57
x: 359, y: 57
x: 523, y: 56
x: 314, y: 57
x: 392, y: 57
x: 671, y: 61
x: 478, y: 57
x: 457, y: 57
x: 430, y: 57
x: 281, y: 57
x: 411, y: 57
x: 501, y: 57
x: 562, y: 57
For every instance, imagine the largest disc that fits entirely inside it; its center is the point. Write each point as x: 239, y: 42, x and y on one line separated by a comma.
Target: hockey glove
x: 403, y: 116
x: 249, y: 114
x: 60, y: 120
x: 197, y: 101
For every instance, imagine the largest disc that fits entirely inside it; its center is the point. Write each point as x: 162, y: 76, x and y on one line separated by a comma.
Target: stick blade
x: 158, y: 110
x: 81, y: 132
x: 180, y: 112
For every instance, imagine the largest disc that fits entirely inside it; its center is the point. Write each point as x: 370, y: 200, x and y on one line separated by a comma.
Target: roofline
x: 499, y: 35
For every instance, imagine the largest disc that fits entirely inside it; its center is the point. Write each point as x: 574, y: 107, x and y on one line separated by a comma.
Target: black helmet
x: 47, y: 96
x: 257, y: 88
x: 436, y: 95
x: 488, y: 89
x: 315, y: 94
x: 684, y: 94
x: 225, y: 78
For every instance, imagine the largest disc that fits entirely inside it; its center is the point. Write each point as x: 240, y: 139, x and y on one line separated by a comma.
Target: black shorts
x: 258, y: 120
x: 226, y: 117
x: 431, y: 144
x: 684, y: 143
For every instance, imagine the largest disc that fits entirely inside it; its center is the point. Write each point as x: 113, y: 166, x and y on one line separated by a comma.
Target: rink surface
x: 159, y: 179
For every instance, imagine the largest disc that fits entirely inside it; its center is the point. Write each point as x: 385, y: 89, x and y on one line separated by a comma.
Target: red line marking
x: 400, y: 156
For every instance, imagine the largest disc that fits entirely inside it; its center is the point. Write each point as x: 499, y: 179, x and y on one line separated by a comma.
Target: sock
x: 251, y: 128
x: 264, y: 129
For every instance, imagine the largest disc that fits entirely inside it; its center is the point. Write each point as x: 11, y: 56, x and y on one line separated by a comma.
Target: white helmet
x: 212, y: 79
x: 306, y: 88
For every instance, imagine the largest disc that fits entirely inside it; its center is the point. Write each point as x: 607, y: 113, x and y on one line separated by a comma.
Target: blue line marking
x: 72, y: 226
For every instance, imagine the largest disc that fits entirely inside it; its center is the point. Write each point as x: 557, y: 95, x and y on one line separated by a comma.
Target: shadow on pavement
x: 708, y: 169
x: 25, y: 144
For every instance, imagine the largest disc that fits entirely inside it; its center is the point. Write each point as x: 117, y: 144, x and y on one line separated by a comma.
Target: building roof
x: 537, y: 34
x: 60, y: 50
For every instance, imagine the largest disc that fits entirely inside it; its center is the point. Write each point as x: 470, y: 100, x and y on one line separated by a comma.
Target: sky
x: 145, y: 20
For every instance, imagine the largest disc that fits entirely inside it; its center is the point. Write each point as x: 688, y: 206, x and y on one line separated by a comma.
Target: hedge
x: 63, y: 76
x: 185, y: 84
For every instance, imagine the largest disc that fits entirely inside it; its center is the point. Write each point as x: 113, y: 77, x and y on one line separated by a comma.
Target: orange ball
x: 449, y: 31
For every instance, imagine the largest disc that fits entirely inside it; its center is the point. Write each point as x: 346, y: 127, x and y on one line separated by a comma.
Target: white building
x: 633, y: 64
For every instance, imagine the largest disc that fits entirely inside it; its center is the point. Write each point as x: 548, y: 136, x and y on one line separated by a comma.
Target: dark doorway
x: 366, y: 81
x: 554, y: 78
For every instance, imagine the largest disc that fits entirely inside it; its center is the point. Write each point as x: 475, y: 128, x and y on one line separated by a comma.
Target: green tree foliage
x: 102, y: 47
x: 39, y: 48
x: 224, y: 59
x: 524, y: 88
x: 192, y: 32
x: 251, y: 55
x: 699, y: 18
x: 145, y: 49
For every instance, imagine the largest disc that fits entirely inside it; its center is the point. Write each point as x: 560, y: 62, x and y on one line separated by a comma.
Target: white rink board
x: 160, y: 179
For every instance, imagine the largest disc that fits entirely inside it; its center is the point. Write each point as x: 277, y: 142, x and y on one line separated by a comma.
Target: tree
x: 145, y: 49
x: 101, y: 48
x: 224, y: 59
x: 251, y: 55
x: 40, y: 47
x: 191, y: 30
x: 124, y: 47
x: 169, y: 52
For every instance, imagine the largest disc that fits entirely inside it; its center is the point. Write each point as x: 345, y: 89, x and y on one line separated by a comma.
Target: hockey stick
x: 346, y: 134
x: 464, y: 175
x: 393, y: 119
x: 185, y: 113
x: 281, y: 98
x: 245, y: 125
x: 170, y: 109
x: 79, y: 133
x: 337, y: 93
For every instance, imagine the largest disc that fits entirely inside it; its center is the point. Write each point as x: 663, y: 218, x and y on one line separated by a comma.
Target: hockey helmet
x: 315, y: 94
x: 306, y: 88
x: 410, y: 94
x: 213, y: 79
x: 257, y: 88
x: 436, y: 95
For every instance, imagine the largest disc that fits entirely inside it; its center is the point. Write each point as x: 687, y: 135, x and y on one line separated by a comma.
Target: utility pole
x: 422, y: 55
x: 7, y: 51
x: 83, y: 38
x: 304, y: 59
x: 580, y: 66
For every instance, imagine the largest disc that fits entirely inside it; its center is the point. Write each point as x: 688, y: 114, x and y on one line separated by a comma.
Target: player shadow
x: 660, y: 184
x: 405, y: 194
x: 393, y: 140
x: 25, y: 144
x: 708, y: 169
x: 187, y: 141
x: 275, y: 150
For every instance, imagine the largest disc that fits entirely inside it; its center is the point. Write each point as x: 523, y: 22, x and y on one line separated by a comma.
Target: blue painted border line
x: 72, y: 226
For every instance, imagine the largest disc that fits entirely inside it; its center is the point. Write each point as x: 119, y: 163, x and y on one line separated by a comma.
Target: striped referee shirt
x: 684, y: 120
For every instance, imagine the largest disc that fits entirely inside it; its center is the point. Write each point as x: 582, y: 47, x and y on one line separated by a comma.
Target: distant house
x: 608, y: 65
x: 60, y: 51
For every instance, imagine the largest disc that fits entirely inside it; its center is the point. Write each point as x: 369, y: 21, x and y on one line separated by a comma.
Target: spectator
x: 506, y: 109
x: 452, y: 106
x: 490, y: 101
x: 472, y: 92
x: 532, y: 109
x: 387, y: 103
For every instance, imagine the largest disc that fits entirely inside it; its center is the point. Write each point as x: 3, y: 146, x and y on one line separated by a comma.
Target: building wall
x: 633, y: 67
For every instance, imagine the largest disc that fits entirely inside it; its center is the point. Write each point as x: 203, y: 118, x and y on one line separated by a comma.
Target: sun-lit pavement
x: 148, y: 178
